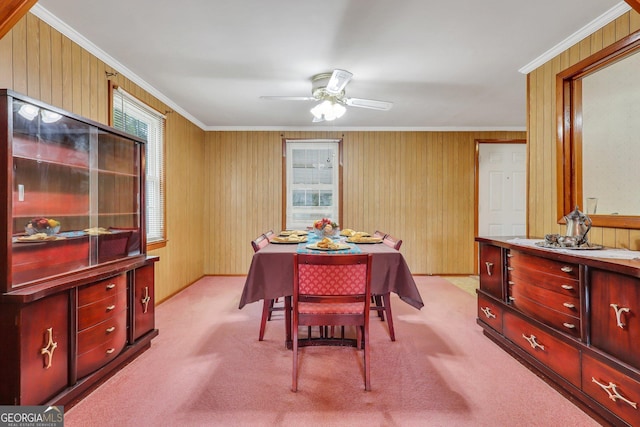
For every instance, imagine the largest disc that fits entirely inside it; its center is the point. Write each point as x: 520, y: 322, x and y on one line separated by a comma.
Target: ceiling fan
x: 329, y: 89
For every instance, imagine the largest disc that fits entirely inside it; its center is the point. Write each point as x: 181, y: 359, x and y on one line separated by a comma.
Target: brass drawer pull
x: 111, y: 329
x: 619, y: 311
x: 569, y: 325
x: 533, y: 342
x: 47, y: 351
x: 487, y: 312
x: 111, y: 350
x: 146, y: 298
x: 612, y: 391
x: 111, y: 307
x: 489, y: 268
x: 567, y: 287
x: 111, y: 286
x: 568, y: 305
x: 566, y: 269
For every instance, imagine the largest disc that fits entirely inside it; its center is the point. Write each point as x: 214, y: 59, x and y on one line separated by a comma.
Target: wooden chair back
x: 259, y: 242
x: 394, y: 242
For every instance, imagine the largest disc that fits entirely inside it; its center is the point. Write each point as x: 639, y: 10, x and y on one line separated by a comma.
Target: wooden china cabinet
x: 77, y: 291
x: 571, y: 317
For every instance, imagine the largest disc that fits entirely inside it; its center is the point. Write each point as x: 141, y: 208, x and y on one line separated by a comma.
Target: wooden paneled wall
x: 543, y: 197
x: 38, y: 61
x: 418, y: 186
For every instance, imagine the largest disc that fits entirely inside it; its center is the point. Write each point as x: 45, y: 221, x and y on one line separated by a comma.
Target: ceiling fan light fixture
x: 328, y: 110
x: 337, y: 81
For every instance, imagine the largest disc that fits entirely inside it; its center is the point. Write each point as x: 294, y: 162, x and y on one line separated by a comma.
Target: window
x: 136, y: 118
x: 312, y: 181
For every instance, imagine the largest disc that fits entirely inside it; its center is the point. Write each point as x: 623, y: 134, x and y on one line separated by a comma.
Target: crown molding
x: 613, y: 13
x: 78, y: 38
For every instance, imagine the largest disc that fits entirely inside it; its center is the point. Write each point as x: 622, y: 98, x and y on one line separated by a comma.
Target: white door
x: 502, y: 189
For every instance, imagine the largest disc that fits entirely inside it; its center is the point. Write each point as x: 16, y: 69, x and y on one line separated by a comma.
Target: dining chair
x: 268, y: 305
x: 270, y: 235
x: 382, y: 303
x: 332, y: 290
x: 380, y: 234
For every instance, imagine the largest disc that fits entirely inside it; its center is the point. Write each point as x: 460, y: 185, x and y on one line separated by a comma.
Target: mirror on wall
x: 599, y: 136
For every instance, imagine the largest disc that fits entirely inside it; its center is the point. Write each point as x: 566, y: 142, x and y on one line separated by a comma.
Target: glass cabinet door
x: 51, y: 194
x: 76, y: 193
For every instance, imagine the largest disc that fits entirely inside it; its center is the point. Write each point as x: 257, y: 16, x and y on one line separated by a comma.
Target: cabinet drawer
x: 490, y: 313
x: 615, y: 391
x: 563, y: 285
x: 103, y: 289
x: 101, y: 333
x: 557, y: 355
x: 102, y: 354
x: 560, y: 321
x: 521, y: 261
x: 99, y: 311
x: 491, y: 270
x: 615, y: 315
x: 562, y: 303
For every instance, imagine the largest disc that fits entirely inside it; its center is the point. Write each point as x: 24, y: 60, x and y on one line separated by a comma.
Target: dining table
x: 270, y: 274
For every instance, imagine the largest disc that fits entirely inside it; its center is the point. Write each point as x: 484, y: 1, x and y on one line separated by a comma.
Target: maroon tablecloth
x: 271, y: 274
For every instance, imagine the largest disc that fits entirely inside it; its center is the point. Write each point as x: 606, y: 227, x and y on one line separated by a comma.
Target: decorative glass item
x: 326, y: 228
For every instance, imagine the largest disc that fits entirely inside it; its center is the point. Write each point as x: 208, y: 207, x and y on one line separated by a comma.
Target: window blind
x: 136, y: 118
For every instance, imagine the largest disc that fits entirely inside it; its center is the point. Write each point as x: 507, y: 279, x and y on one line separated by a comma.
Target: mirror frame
x: 569, y: 131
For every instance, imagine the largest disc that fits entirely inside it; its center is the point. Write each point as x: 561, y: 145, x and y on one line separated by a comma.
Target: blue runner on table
x: 302, y: 249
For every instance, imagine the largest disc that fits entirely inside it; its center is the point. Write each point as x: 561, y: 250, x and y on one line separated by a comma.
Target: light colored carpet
x: 466, y: 283
x: 207, y: 368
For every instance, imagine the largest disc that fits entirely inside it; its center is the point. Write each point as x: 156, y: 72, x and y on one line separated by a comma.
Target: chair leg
x: 271, y: 304
x: 266, y: 313
x: 294, y: 379
x: 387, y: 308
x: 377, y: 299
x: 287, y: 318
x: 367, y: 370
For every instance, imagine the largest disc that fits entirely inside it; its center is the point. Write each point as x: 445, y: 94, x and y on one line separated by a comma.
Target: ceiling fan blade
x: 337, y: 82
x: 289, y: 98
x: 369, y: 103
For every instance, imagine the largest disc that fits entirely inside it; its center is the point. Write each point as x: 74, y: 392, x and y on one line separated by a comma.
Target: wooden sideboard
x: 76, y: 284
x: 572, y: 318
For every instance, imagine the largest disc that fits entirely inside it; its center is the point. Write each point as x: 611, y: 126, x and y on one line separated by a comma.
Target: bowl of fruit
x: 48, y: 226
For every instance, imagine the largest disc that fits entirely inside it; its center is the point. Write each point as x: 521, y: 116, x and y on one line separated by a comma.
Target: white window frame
x: 154, y: 151
x: 297, y: 217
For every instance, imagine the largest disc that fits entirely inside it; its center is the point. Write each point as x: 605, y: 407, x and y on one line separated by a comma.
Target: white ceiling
x: 445, y: 65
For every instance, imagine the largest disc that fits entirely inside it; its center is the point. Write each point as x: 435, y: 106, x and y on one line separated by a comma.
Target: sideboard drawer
x: 103, y: 353
x: 519, y: 260
x: 557, y: 355
x: 617, y: 392
x: 101, y: 310
x: 563, y: 285
x: 99, y: 334
x: 100, y: 290
x: 490, y: 313
x: 560, y: 321
x: 567, y: 304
